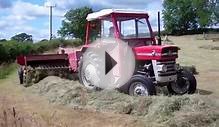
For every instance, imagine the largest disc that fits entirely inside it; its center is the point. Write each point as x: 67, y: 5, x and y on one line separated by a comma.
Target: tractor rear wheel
x: 186, y: 83
x: 140, y: 85
x: 89, y: 68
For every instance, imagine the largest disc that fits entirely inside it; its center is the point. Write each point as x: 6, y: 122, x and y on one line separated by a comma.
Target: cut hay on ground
x: 210, y: 47
x: 180, y: 111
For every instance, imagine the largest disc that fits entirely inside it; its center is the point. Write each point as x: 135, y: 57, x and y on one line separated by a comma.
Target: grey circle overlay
x: 119, y: 58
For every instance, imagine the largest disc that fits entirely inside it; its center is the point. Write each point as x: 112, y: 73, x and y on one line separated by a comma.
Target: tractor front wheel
x: 186, y: 83
x: 141, y: 86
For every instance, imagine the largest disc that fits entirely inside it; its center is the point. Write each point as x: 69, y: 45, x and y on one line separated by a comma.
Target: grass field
x: 36, y: 108
x: 7, y: 69
x: 192, y: 54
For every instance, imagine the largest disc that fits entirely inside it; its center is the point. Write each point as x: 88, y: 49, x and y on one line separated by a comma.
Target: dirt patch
x: 10, y: 116
x: 188, y: 110
x: 210, y: 47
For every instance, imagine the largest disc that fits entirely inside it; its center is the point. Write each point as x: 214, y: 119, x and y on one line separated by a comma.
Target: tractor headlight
x: 162, y: 68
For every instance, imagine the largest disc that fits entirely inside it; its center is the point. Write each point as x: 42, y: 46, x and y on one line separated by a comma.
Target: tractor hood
x: 156, y: 52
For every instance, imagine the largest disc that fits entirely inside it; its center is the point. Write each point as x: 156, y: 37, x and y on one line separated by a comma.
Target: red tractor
x: 155, y: 64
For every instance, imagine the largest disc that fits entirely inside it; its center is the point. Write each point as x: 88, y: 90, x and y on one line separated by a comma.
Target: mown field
x: 57, y: 102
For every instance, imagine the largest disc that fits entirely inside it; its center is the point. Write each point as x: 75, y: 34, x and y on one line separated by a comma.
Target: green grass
x: 6, y: 70
x: 190, y: 54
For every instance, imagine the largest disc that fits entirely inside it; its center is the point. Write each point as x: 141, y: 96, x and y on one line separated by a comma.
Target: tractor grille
x: 170, y: 68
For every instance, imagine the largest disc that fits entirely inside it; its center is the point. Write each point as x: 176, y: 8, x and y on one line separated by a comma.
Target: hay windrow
x: 210, y: 47
x: 182, y: 111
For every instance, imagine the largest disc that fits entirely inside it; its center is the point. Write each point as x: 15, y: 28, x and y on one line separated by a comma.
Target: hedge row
x: 9, y: 50
x: 190, y: 32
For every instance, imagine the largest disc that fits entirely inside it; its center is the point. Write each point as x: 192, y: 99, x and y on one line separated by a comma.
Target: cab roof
x: 106, y: 12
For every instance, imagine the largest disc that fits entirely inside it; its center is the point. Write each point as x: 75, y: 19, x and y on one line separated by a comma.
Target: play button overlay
x: 107, y: 64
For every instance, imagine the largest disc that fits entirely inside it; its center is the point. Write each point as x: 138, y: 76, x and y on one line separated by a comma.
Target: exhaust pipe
x: 159, y: 38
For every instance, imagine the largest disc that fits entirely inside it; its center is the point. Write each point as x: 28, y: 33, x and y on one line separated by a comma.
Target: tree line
x: 179, y: 17
x: 183, y: 16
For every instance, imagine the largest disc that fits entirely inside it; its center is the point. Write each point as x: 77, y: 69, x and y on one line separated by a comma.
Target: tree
x: 3, y: 53
x: 215, y: 9
x: 204, y: 10
x: 3, y: 40
x: 74, y: 24
x: 22, y: 37
x: 182, y: 15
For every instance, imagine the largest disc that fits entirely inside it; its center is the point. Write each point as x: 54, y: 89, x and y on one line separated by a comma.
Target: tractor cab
x: 131, y: 26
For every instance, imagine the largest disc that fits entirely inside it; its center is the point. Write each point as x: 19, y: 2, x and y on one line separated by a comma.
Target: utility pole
x: 50, y: 6
x: 159, y: 36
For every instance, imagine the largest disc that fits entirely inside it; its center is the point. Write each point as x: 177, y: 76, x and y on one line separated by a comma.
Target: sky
x: 32, y: 16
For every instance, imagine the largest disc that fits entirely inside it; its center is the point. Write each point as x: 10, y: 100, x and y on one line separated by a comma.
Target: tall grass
x: 6, y: 70
x: 45, y: 45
